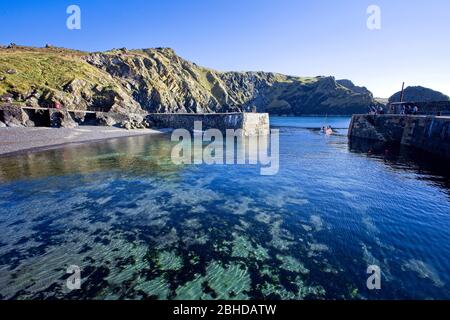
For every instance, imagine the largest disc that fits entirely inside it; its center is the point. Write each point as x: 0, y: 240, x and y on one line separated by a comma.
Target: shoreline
x: 14, y: 141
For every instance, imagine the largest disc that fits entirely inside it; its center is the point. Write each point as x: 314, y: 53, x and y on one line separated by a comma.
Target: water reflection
x: 398, y: 157
x: 142, y: 154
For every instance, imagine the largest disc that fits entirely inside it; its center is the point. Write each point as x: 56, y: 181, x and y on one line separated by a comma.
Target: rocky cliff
x: 419, y: 94
x: 157, y: 80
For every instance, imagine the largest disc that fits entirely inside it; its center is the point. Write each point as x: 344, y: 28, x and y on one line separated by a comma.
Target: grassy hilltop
x: 157, y: 80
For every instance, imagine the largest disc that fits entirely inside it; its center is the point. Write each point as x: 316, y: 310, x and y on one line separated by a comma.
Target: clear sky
x: 296, y: 37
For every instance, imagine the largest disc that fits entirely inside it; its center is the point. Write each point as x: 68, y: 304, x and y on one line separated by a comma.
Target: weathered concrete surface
x: 249, y: 123
x: 428, y: 133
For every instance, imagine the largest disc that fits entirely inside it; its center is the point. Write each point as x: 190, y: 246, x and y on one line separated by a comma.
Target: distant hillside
x: 351, y: 86
x: 157, y: 80
x: 419, y: 94
x: 383, y: 101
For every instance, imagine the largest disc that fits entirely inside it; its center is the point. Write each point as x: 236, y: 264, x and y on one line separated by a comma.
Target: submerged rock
x: 168, y: 260
x: 423, y: 271
x: 291, y: 264
x: 220, y: 282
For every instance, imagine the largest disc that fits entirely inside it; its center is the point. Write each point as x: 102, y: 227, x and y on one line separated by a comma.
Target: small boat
x: 327, y: 130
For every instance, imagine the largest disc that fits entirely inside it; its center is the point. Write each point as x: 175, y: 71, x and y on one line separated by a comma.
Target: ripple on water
x: 230, y: 282
x: 140, y: 227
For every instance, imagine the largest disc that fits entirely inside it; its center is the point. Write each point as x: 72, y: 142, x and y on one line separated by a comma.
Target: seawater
x: 140, y: 227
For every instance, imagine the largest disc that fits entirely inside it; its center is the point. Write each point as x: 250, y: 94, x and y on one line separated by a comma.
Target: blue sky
x: 297, y: 37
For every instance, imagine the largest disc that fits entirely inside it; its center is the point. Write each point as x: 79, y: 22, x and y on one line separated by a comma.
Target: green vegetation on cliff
x: 28, y: 69
x: 41, y: 77
x: 157, y: 80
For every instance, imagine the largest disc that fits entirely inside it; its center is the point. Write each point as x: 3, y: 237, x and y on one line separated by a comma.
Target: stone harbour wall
x: 427, y: 133
x: 249, y: 123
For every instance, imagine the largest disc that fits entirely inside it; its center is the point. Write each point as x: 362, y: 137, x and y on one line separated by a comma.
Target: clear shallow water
x: 141, y: 227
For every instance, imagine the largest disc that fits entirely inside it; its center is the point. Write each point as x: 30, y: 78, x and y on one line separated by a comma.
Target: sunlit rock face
x: 158, y: 80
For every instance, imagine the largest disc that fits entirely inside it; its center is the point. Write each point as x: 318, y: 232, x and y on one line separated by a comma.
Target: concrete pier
x: 427, y: 133
x: 249, y: 123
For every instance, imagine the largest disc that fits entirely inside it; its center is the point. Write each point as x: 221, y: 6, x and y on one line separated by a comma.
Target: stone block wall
x: 250, y: 123
x: 427, y: 133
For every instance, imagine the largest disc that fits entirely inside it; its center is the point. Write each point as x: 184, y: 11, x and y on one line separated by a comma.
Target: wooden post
x: 402, y: 95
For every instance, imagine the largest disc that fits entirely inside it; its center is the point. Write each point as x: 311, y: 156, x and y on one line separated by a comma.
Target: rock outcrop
x: 16, y: 117
x: 159, y: 81
x: 419, y: 94
x: 62, y: 119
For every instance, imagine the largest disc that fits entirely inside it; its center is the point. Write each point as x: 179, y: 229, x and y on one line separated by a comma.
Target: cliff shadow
x: 40, y: 118
x: 84, y: 118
